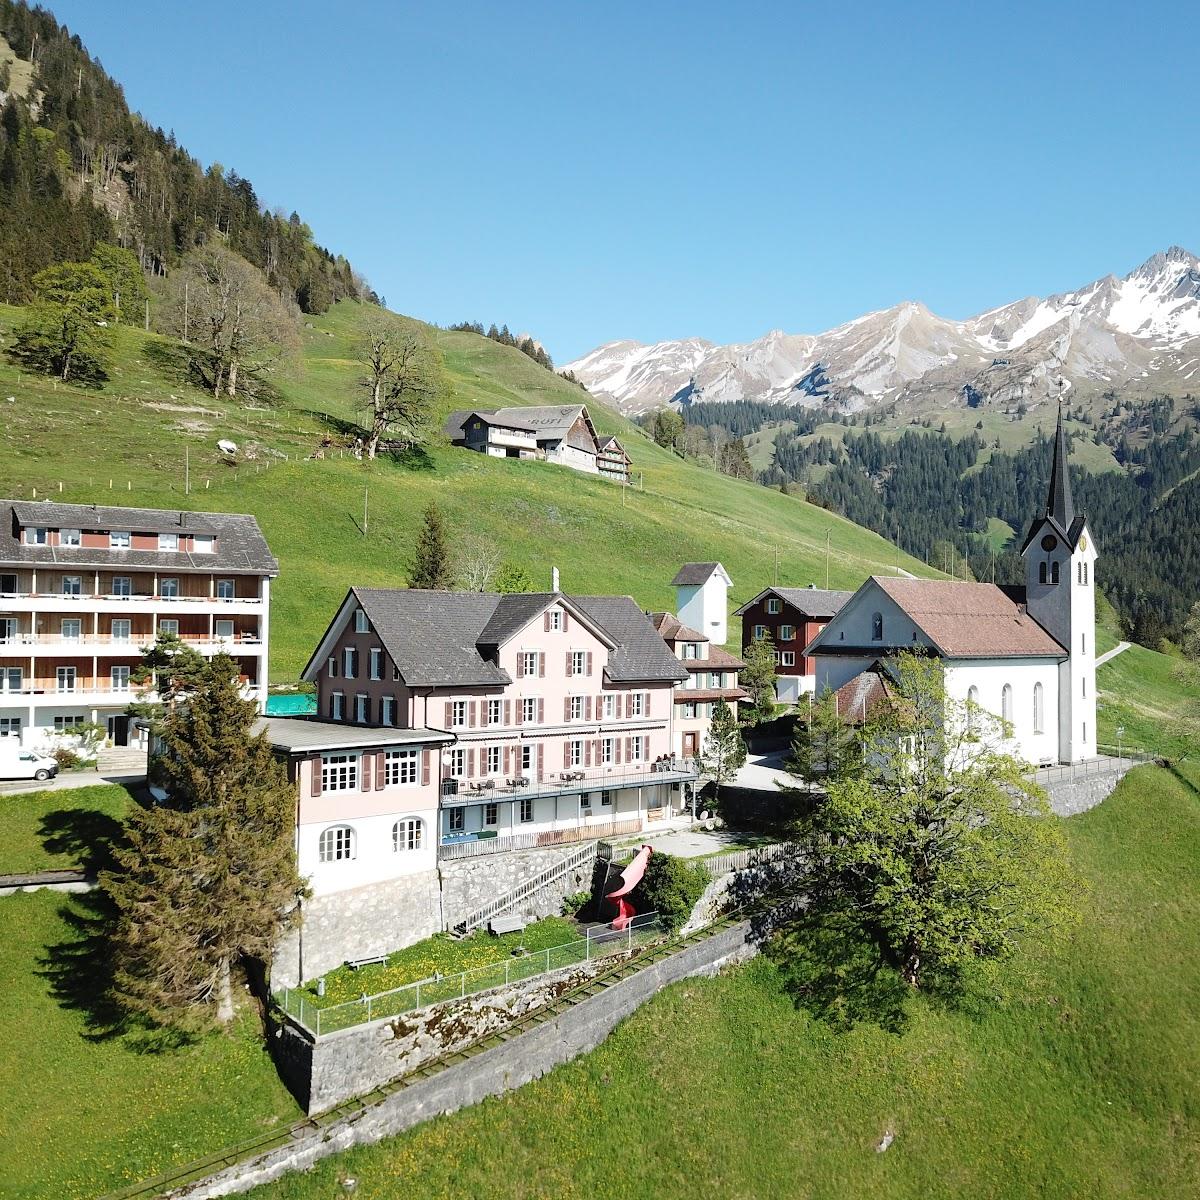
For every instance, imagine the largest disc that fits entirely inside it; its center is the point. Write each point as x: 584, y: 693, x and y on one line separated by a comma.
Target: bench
x: 510, y: 923
x: 356, y: 964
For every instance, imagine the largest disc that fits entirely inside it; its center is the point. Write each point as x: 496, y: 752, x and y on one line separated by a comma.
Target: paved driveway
x: 764, y: 772
x: 68, y: 780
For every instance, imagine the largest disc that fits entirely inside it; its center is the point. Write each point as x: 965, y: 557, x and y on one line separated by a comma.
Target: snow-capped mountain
x: 1137, y: 334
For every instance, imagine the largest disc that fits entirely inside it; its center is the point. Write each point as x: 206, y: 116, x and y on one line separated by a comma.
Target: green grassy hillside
x: 126, y: 444
x: 1079, y: 1081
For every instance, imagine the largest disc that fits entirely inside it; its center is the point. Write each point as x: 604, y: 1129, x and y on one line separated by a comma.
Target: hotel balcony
x: 458, y: 793
x: 20, y: 602
x: 57, y: 645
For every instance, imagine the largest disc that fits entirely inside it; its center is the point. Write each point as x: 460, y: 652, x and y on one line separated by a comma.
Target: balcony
x: 105, y: 645
x: 458, y: 793
x: 105, y: 602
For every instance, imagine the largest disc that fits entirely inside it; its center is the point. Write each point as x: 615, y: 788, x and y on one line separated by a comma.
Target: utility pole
x: 828, y: 535
x: 366, y: 493
x: 185, y: 310
x: 777, y: 566
x: 147, y: 316
x: 187, y: 470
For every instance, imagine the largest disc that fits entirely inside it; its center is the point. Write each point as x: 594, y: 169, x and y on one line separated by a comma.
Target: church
x: 1024, y: 653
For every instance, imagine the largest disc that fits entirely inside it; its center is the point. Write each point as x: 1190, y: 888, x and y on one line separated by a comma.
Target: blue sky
x: 594, y: 171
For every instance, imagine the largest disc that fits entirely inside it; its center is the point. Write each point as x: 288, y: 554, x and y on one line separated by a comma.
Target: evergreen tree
x: 724, y: 751
x: 758, y: 678
x: 433, y: 564
x: 208, y: 880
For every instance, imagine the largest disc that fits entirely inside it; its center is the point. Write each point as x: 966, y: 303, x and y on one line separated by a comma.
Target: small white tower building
x: 1060, y: 595
x: 702, y: 599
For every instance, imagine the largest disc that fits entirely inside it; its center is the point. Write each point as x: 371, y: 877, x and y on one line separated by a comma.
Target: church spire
x: 1059, y: 504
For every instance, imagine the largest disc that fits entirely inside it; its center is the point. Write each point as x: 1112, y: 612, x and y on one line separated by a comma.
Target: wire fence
x: 1106, y: 764
x: 600, y: 943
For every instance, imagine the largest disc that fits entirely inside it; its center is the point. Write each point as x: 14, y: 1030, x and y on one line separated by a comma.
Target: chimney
x: 554, y: 579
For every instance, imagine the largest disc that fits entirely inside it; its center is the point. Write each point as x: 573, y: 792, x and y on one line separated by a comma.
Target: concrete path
x: 764, y: 772
x: 68, y: 780
x: 1119, y: 648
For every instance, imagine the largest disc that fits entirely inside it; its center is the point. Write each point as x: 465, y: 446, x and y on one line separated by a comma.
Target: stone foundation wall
x: 383, y: 917
x: 1069, y: 797
x: 578, y: 1029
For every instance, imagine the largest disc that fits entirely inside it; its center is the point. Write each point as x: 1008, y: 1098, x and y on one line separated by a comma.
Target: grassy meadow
x: 146, y: 426
x: 59, y: 829
x: 1079, y: 1079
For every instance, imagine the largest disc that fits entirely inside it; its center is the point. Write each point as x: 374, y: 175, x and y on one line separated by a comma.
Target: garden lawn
x: 1083, y: 1081
x: 59, y: 828
x: 441, y: 954
x: 82, y: 1115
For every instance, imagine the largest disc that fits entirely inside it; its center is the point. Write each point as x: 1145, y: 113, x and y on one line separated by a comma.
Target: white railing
x: 585, y: 831
x: 600, y: 943
x: 131, y: 644
x: 527, y: 888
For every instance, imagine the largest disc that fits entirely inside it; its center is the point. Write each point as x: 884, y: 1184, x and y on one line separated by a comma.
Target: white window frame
x: 407, y: 835
x: 226, y: 589
x: 576, y: 709
x: 70, y: 537
x: 349, y: 662
x: 1006, y: 706
x: 528, y: 757
x: 526, y: 813
x: 223, y: 629
x: 72, y: 629
x: 339, y: 772
x: 529, y: 708
x: 387, y: 711
x: 456, y: 820
x: 168, y: 625
x: 458, y: 763
x: 119, y: 539
x: 788, y: 658
x: 203, y: 543
x: 760, y: 632
x: 610, y: 706
x: 774, y: 605
x: 66, y: 679
x: 337, y: 843
x: 168, y: 588
x: 122, y: 586
x: 556, y: 620
x: 362, y: 708
x: 119, y: 678
x: 578, y: 662
x: 491, y: 760
x: 361, y: 624
x: 337, y: 706
x: 72, y: 585
x: 458, y: 714
x: 530, y: 662
x: 67, y: 721
x: 787, y: 633
x: 638, y: 748
x: 608, y: 751
x: 495, y: 712
x: 575, y: 752
x: 401, y: 768
x: 35, y: 535
x: 636, y: 705
x: 168, y: 541
x: 491, y: 814
x: 375, y: 657
x: 120, y: 629
x: 1039, y: 708
x: 689, y: 710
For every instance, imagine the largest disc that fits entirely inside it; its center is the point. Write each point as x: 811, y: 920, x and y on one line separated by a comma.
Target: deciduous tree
x: 941, y: 852
x: 67, y: 331
x: 513, y: 577
x: 402, y: 380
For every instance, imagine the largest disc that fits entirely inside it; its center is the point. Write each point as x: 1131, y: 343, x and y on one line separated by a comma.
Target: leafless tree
x: 477, y: 562
x: 219, y: 301
x: 402, y: 380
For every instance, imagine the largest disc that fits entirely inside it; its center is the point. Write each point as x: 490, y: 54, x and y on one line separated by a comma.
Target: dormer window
x: 555, y: 619
x: 118, y: 539
x: 774, y: 605
x: 36, y: 537
x: 203, y: 543
x: 691, y: 650
x: 70, y: 537
x: 168, y: 541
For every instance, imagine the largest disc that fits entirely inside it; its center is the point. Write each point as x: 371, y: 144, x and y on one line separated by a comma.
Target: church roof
x: 1060, y: 512
x: 970, y: 620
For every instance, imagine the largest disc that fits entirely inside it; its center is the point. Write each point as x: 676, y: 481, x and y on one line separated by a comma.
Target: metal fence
x: 1105, y: 764
x: 739, y: 860
x: 601, y: 942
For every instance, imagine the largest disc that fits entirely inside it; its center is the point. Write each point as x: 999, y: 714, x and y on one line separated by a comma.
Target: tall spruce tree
x: 433, y: 565
x: 724, y: 752
x: 208, y: 880
x: 758, y: 678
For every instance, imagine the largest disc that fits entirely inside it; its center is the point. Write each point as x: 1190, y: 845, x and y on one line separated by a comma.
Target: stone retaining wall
x: 557, y: 1040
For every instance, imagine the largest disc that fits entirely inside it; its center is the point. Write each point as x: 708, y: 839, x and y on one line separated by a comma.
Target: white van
x: 18, y: 763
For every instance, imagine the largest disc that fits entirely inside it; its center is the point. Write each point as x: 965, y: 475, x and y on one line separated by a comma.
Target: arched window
x: 1037, y: 708
x: 1054, y: 572
x: 877, y: 627
x: 972, y: 708
x: 406, y: 834
x: 1006, y: 705
x: 1042, y: 572
x: 337, y: 843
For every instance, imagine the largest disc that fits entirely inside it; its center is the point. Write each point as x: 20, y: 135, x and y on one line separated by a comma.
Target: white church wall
x: 1031, y: 741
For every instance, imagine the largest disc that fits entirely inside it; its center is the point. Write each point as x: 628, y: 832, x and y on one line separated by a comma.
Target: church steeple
x: 1059, y: 504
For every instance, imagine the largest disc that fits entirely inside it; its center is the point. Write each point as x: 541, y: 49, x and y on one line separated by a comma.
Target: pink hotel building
x: 456, y: 723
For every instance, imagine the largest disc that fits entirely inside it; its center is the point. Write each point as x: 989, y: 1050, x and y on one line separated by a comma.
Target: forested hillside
x: 78, y: 168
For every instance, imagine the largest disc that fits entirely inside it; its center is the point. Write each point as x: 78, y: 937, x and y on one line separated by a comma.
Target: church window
x: 1083, y: 686
x: 877, y: 627
x: 1042, y: 574
x: 1083, y: 643
x: 1082, y: 574
x: 972, y: 708
x: 1006, y: 706
x: 1038, y: 719
x: 1054, y: 572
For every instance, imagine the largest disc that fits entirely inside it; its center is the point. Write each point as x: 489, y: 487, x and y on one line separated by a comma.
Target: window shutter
x: 542, y: 664
x: 568, y: 662
x: 541, y: 758
x: 587, y: 753
x: 541, y: 711
x: 629, y: 749
x: 565, y: 621
x: 587, y: 708
x: 589, y: 662
x: 616, y: 749
x: 380, y: 779
x: 508, y: 712
x: 470, y: 764
x: 426, y: 757
x: 620, y: 706
x: 566, y: 754
x: 315, y: 782
x: 471, y: 714
x: 449, y: 714
x: 567, y: 708
x: 520, y: 665
x: 507, y: 759
x: 519, y: 715
x: 366, y: 764
x: 546, y: 621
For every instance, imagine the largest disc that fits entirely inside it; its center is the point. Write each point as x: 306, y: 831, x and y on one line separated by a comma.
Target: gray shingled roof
x: 436, y: 639
x: 547, y: 420
x: 812, y: 602
x: 696, y: 574
x: 240, y: 545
